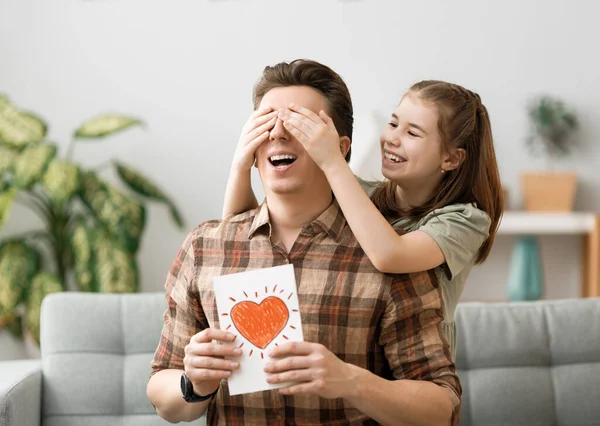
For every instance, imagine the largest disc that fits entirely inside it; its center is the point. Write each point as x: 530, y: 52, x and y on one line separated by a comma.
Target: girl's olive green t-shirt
x: 459, y: 230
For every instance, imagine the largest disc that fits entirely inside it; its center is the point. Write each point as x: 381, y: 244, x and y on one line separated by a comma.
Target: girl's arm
x: 239, y: 196
x: 388, y: 251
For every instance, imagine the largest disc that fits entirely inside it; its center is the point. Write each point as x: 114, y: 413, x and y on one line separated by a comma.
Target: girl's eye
x: 392, y: 125
x: 413, y: 134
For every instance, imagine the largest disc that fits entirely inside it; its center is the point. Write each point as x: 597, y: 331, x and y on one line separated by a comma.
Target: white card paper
x: 261, y: 308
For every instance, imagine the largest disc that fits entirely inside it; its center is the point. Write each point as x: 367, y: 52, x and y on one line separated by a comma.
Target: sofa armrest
x: 20, y: 393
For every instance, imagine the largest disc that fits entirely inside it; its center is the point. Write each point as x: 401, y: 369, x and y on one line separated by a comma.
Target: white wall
x: 187, y: 67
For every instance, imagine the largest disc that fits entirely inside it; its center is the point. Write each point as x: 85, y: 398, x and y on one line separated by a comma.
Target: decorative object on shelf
x: 525, y: 273
x: 553, y: 134
x: 91, y: 230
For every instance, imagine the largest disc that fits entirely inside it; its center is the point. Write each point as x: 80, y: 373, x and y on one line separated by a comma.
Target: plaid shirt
x: 389, y: 324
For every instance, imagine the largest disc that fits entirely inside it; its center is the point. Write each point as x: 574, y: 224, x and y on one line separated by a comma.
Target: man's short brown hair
x: 303, y: 72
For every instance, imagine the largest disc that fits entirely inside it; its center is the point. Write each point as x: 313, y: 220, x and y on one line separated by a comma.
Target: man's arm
x: 426, y: 390
x: 399, y: 402
x: 164, y: 393
x: 417, y: 352
x: 183, y: 318
x: 389, y: 402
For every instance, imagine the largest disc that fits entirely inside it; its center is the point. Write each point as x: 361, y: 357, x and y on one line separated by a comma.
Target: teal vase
x: 525, y: 274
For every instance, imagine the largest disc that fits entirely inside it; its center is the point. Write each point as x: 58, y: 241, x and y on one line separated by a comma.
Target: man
x: 373, y: 350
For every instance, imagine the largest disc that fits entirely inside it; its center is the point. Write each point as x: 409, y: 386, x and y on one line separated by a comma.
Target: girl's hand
x: 255, y: 131
x: 316, y: 133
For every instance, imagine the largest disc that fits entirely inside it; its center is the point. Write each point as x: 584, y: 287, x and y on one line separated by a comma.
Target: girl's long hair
x: 463, y: 123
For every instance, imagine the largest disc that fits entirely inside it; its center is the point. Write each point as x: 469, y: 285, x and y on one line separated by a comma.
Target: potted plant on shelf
x: 90, y: 230
x: 552, y: 133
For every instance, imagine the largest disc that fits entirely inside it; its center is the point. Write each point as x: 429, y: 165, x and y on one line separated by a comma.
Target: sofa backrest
x: 96, y: 352
x: 529, y: 363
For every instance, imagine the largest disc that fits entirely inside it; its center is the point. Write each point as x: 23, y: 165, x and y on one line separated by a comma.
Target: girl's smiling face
x: 412, y: 149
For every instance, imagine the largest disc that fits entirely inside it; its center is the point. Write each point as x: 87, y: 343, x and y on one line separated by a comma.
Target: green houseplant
x: 91, y: 229
x: 552, y: 133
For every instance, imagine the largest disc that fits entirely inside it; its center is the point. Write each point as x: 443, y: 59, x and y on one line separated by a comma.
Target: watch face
x: 183, y: 383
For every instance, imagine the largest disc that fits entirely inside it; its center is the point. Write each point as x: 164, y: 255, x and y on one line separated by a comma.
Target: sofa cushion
x: 529, y: 363
x: 96, y: 354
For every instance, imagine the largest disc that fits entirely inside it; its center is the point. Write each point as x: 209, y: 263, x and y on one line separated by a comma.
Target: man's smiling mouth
x: 282, y: 160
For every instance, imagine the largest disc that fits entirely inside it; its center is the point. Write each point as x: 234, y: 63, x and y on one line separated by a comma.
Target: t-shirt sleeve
x: 368, y: 186
x: 459, y: 230
x: 184, y: 316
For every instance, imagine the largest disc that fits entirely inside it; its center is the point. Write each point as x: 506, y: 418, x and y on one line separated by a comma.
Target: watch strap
x: 187, y: 389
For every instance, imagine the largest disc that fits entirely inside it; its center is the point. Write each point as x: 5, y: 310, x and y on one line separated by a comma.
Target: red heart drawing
x: 260, y: 323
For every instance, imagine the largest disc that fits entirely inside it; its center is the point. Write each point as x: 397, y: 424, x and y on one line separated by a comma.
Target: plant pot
x: 549, y: 192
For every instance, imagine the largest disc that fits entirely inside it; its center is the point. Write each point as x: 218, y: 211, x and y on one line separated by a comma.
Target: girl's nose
x: 391, y: 139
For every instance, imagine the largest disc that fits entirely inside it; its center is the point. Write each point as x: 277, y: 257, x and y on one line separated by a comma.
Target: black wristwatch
x: 187, y: 389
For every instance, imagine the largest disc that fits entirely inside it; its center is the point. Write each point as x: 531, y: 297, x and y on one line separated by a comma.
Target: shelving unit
x: 586, y: 224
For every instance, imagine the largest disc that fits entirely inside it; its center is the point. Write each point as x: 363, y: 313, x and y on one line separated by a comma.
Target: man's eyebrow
x: 416, y: 126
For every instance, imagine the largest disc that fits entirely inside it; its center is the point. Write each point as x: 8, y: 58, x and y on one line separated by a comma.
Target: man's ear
x: 454, y: 159
x: 345, y: 145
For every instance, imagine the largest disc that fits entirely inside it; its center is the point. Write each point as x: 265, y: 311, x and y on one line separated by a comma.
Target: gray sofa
x: 523, y: 364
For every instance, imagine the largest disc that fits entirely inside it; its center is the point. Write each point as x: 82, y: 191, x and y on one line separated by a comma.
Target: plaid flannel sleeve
x: 412, y: 336
x: 184, y: 316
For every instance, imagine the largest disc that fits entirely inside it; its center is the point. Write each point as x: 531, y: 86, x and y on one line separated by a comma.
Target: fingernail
x: 237, y: 351
x: 268, y: 365
x: 227, y: 373
x: 234, y: 364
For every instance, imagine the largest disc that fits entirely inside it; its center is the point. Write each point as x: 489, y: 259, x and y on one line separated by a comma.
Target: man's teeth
x: 392, y: 157
x: 282, y: 157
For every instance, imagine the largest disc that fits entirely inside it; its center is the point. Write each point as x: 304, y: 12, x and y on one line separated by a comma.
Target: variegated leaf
x: 123, y: 217
x: 19, y: 128
x: 147, y: 188
x: 6, y: 199
x: 105, y: 125
x: 176, y: 215
x: 82, y: 239
x: 62, y: 180
x: 139, y: 183
x: 18, y: 264
x: 13, y: 323
x: 7, y: 159
x: 32, y: 163
x: 5, y: 317
x: 42, y: 285
x: 115, y: 269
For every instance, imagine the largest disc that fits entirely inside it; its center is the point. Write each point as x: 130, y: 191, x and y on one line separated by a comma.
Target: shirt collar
x: 332, y: 220
x: 261, y: 218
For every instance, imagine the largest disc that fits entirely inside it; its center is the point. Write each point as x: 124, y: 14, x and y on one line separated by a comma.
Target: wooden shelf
x: 526, y: 223
x: 584, y: 224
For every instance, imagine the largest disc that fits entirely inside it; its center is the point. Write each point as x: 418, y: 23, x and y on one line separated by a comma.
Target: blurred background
x: 187, y: 68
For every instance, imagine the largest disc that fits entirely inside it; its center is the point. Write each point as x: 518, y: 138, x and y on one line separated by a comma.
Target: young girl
x: 442, y: 184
